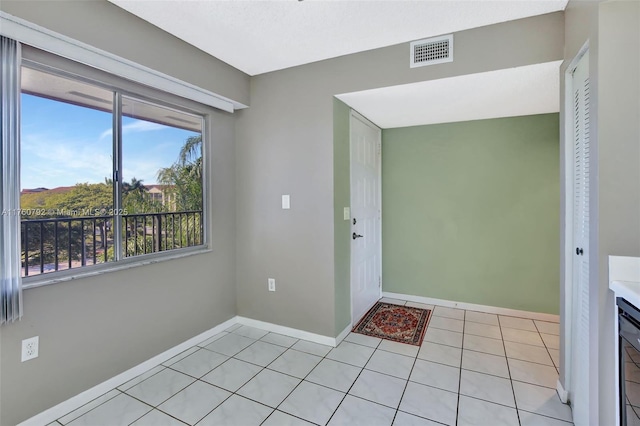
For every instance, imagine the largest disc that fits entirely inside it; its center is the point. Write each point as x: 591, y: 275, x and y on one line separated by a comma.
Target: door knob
x: 579, y: 251
x: 356, y: 236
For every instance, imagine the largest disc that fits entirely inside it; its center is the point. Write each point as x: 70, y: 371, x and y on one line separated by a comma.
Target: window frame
x: 58, y: 66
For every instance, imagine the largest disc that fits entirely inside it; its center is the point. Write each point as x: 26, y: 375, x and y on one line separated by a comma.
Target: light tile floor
x: 472, y: 369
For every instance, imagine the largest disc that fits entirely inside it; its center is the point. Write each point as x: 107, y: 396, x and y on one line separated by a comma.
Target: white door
x: 366, y: 248
x: 580, y: 368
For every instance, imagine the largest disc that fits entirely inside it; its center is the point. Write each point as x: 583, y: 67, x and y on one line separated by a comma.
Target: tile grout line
x: 155, y: 407
x: 114, y: 389
x: 490, y: 402
x: 408, y: 379
x: 547, y: 348
x: 148, y: 405
x: 262, y: 368
x: 121, y: 392
x: 513, y: 391
x: 483, y: 373
x: 340, y: 362
x: 327, y: 387
x: 415, y: 359
x: 196, y: 379
x: 548, y: 417
x: 509, y: 357
x: 505, y: 355
x: 234, y: 392
x: 413, y: 366
x: 197, y: 347
x: 354, y: 382
x: 292, y: 390
x: 165, y: 413
x: 513, y: 341
x: 464, y: 326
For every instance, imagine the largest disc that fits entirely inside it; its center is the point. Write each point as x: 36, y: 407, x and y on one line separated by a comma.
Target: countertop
x: 624, y: 278
x: 628, y: 290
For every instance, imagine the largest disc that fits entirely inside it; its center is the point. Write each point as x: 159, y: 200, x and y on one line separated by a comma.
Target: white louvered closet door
x: 580, y: 365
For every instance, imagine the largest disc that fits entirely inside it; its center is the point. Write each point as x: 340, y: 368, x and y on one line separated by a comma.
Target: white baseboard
x: 343, y: 334
x: 73, y: 403
x: 288, y: 331
x: 562, y: 393
x: 473, y: 307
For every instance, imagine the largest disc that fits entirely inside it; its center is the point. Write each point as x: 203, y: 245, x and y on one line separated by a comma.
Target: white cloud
x: 135, y: 127
x: 51, y: 162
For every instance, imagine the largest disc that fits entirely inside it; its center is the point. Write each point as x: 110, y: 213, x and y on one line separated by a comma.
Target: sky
x: 64, y: 144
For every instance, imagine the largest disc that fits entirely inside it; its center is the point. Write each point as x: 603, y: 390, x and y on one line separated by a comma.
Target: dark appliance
x: 629, y: 362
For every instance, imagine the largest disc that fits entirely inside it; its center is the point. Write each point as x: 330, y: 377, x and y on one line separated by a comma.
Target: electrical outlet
x: 272, y: 284
x: 30, y: 348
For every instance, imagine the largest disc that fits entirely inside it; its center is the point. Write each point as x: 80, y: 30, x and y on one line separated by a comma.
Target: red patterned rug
x: 402, y: 324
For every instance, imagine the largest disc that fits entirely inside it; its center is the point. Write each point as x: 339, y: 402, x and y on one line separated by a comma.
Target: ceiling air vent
x: 431, y: 51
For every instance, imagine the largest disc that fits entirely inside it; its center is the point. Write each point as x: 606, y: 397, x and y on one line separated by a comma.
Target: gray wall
x: 618, y: 168
x: 285, y: 146
x: 613, y: 31
x: 92, y: 329
x: 106, y: 26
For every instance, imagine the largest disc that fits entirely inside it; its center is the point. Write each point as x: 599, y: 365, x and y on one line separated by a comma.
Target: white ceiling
x: 261, y: 36
x: 510, y: 92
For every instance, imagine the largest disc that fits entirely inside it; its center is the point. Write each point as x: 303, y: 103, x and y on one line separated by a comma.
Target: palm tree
x: 135, y: 188
x: 184, y: 177
x: 183, y: 183
x: 191, y: 151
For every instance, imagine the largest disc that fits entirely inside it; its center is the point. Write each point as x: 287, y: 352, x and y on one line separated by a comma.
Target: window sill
x: 76, y: 274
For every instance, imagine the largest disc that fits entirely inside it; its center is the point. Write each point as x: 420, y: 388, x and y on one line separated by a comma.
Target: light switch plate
x: 286, y: 202
x: 347, y: 213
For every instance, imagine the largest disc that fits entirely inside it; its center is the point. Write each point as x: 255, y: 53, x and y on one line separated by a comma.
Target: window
x: 107, y: 176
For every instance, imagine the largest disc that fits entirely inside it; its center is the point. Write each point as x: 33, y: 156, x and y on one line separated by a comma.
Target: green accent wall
x: 471, y: 212
x: 341, y: 227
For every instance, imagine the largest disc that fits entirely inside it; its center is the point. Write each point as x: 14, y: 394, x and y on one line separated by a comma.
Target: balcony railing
x: 58, y: 244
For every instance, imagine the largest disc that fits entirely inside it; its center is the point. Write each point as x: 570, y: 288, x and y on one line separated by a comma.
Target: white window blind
x: 10, y: 276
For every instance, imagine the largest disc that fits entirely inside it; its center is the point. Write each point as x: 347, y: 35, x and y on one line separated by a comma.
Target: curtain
x: 10, y: 256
